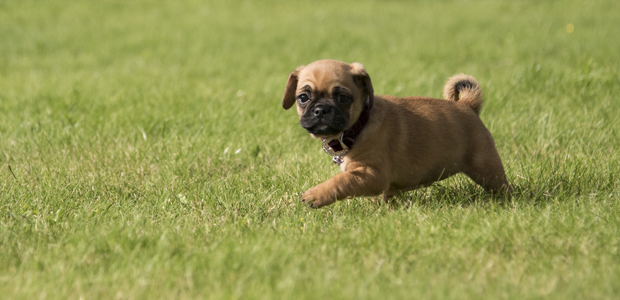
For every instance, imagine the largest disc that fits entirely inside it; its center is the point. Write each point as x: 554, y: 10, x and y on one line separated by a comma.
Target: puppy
x: 387, y: 145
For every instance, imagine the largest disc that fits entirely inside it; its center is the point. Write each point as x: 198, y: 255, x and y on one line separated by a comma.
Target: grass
x: 144, y: 152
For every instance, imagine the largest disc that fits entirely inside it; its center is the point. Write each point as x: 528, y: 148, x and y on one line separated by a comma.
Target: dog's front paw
x: 316, y: 198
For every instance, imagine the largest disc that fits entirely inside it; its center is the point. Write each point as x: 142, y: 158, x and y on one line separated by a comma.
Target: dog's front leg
x: 361, y: 181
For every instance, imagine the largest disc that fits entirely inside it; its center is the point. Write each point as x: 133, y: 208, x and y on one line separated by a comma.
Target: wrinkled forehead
x: 324, y: 76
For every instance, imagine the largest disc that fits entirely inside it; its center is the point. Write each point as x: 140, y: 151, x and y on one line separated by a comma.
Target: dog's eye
x: 343, y: 99
x: 303, y: 98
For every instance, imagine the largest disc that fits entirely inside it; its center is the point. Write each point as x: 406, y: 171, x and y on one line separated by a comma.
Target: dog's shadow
x: 462, y: 195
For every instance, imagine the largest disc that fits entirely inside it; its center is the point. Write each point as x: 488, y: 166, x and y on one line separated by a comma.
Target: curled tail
x: 467, y: 87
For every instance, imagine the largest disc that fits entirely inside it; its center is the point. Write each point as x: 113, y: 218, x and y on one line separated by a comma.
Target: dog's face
x: 330, y: 95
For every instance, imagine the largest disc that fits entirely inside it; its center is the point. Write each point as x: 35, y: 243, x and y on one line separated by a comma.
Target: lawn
x: 144, y: 152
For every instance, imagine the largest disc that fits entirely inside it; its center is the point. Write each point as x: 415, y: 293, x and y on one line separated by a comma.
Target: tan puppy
x: 394, y: 144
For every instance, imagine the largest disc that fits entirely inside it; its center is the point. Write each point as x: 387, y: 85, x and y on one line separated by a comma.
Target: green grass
x: 144, y: 152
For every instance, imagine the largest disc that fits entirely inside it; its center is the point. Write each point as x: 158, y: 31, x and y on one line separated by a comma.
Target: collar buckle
x: 336, y: 155
x: 329, y: 150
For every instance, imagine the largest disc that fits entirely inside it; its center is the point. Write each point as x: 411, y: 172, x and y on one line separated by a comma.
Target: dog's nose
x: 319, y: 111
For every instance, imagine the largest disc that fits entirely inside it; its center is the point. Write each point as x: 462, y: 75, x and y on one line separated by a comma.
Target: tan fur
x: 408, y: 142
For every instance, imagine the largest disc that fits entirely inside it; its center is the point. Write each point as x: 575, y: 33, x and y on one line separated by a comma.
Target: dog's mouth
x: 323, y: 130
x: 323, y: 120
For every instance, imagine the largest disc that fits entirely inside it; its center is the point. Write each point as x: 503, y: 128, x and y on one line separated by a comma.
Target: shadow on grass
x: 465, y: 194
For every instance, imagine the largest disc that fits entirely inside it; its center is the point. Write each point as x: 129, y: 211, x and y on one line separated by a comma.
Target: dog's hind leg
x: 486, y: 169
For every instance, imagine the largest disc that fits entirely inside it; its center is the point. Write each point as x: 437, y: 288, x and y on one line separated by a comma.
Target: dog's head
x: 330, y: 96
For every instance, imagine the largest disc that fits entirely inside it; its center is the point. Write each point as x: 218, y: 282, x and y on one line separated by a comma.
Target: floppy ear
x: 289, y: 93
x: 362, y: 79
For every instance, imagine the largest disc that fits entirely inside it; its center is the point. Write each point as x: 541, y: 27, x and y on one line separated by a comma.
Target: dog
x: 387, y: 145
